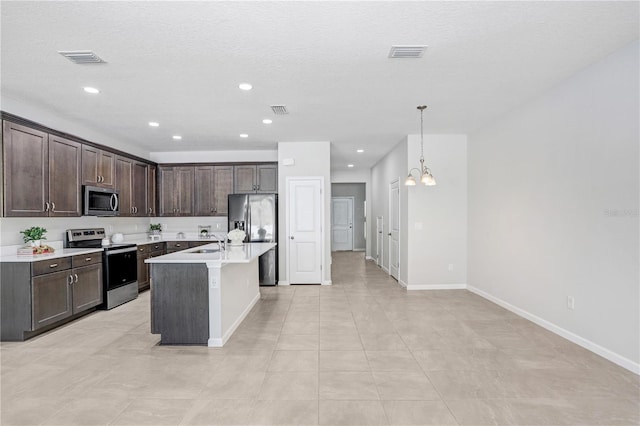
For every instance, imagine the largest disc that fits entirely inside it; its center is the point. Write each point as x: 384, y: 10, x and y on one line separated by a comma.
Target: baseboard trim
x: 402, y: 284
x: 384, y: 268
x: 368, y: 258
x: 327, y: 282
x: 239, y: 320
x: 283, y: 282
x: 436, y: 287
x: 578, y: 340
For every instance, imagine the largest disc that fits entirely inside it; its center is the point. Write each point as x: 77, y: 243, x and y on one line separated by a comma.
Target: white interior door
x: 394, y: 229
x: 305, y: 231
x: 341, y: 223
x: 379, y: 239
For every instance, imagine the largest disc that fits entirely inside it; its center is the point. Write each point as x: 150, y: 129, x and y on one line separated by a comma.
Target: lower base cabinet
x: 36, y: 296
x: 146, y: 251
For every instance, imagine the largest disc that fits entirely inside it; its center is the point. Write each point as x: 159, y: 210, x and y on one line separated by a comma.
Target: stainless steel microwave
x: 100, y: 201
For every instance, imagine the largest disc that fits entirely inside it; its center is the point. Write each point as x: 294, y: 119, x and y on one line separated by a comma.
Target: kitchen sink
x: 208, y: 250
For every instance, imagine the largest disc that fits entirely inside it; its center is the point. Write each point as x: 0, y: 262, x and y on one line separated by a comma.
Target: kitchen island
x: 199, y: 296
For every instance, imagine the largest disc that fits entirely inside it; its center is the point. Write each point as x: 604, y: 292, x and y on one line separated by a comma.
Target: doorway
x: 394, y: 228
x: 342, y: 223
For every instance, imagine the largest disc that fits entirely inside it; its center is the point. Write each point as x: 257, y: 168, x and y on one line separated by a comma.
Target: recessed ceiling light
x: 360, y: 151
x: 244, y: 135
x: 92, y: 90
x: 153, y: 124
x: 267, y: 121
x: 177, y: 137
x: 245, y: 86
x: 349, y: 165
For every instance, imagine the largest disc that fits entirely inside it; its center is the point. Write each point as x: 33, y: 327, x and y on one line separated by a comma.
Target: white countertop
x: 233, y: 254
x: 58, y: 253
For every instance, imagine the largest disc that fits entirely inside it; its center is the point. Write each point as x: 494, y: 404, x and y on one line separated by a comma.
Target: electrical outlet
x: 450, y: 267
x: 570, y: 303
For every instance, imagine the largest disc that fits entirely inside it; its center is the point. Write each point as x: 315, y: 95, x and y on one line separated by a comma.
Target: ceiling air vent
x: 407, y: 52
x: 279, y: 109
x: 82, y: 57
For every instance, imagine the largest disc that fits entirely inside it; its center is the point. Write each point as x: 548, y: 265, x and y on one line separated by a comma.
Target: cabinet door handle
x: 88, y: 259
x: 150, y: 210
x: 76, y: 275
x: 53, y: 265
x: 46, y: 208
x: 53, y: 206
x: 69, y: 280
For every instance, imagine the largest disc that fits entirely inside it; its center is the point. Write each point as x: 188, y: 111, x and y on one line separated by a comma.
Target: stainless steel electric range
x: 119, y: 265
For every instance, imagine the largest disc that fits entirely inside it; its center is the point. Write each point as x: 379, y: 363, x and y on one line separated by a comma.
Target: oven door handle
x: 113, y: 202
x: 119, y: 251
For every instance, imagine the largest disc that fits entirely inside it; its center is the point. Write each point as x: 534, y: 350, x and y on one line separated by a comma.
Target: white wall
x: 553, y: 208
x: 311, y: 159
x: 49, y: 118
x: 213, y: 156
x: 392, y: 166
x: 437, y: 215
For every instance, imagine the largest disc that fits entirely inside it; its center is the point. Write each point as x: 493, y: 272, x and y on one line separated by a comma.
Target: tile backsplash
x: 10, y: 227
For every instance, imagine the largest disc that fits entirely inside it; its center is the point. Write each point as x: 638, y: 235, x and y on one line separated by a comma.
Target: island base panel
x: 180, y: 303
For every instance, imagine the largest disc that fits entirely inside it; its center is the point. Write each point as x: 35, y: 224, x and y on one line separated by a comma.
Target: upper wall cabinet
x: 252, y: 178
x: 152, y: 175
x: 98, y: 167
x: 176, y: 191
x: 213, y: 184
x: 131, y: 181
x: 42, y: 174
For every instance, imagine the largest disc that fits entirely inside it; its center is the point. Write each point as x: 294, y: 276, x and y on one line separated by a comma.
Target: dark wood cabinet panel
x: 244, y: 179
x: 223, y: 186
x: 98, y: 167
x: 26, y: 171
x: 176, y: 191
x: 203, y: 204
x: 50, y: 298
x: 167, y: 193
x: 151, y: 190
x: 124, y: 176
x: 143, y: 272
x: 64, y: 177
x: 267, y: 178
x: 139, y: 189
x: 252, y: 178
x: 87, y: 287
x: 213, y: 184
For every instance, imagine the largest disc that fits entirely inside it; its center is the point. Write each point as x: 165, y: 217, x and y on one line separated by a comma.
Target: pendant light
x: 426, y: 177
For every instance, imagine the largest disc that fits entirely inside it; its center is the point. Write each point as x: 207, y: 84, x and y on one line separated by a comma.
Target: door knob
x: 291, y: 237
x: 389, y: 234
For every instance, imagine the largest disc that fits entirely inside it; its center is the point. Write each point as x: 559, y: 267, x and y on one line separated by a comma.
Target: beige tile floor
x: 360, y: 352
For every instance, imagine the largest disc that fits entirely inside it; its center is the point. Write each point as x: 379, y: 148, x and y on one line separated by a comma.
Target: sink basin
x: 208, y: 250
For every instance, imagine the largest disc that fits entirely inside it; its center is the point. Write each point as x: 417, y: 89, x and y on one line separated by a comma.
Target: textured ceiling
x: 180, y: 63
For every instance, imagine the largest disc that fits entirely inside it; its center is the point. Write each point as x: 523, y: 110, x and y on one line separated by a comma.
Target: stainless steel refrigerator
x: 257, y: 215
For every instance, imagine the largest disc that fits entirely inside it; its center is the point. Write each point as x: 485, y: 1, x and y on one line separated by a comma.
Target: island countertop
x: 210, y: 254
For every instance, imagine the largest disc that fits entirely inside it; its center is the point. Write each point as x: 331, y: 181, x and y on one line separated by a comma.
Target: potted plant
x: 34, y: 235
x: 155, y: 228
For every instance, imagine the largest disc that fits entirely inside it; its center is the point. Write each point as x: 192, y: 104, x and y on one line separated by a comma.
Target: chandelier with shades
x: 424, y: 172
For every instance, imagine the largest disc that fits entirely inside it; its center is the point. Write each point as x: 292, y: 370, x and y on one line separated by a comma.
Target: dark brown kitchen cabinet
x: 42, y: 174
x: 51, y: 298
x: 87, y: 281
x: 36, y: 296
x: 255, y: 178
x: 151, y: 190
x: 131, y: 181
x: 147, y: 251
x: 98, y: 167
x: 176, y: 191
x: 213, y: 184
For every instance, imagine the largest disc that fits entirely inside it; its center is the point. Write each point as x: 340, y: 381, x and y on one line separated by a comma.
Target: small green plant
x: 33, y: 234
x: 155, y: 227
